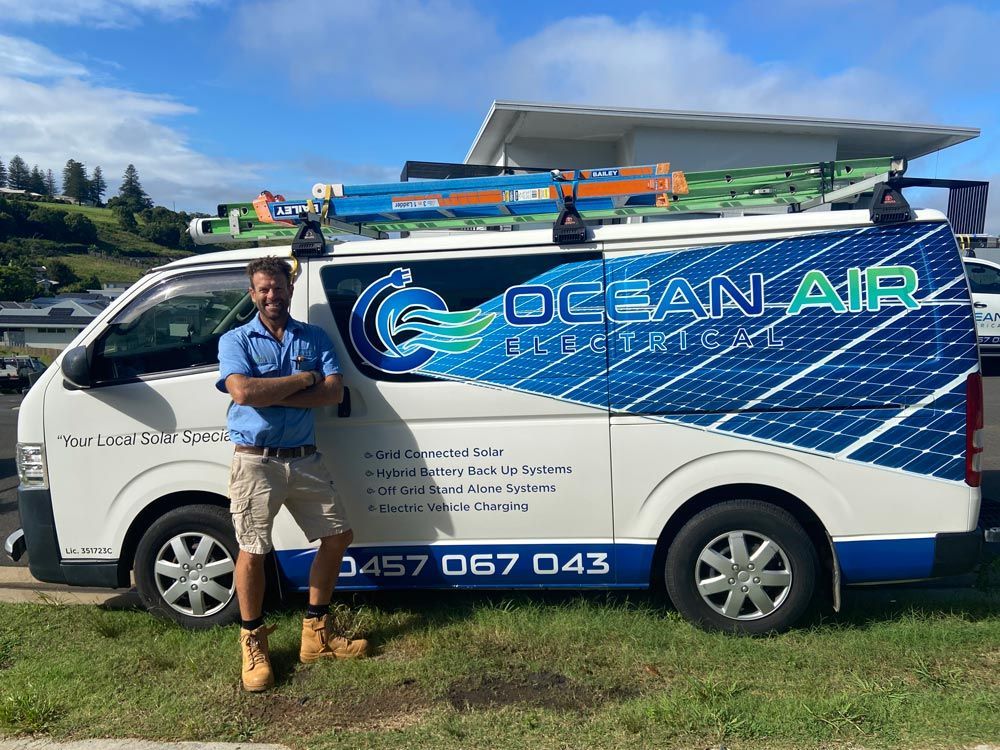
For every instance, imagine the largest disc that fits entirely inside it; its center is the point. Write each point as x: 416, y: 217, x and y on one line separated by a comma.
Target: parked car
x: 984, y: 281
x: 17, y: 373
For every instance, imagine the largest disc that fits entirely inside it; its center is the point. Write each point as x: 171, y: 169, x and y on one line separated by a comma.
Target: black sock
x: 317, y: 610
x: 254, y: 623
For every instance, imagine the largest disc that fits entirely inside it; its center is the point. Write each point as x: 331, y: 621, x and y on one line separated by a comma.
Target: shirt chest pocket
x: 305, y: 359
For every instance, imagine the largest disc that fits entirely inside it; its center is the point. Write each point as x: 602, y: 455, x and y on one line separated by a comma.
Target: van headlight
x: 31, y: 465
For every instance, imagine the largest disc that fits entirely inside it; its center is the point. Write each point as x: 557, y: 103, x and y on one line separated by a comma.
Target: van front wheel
x: 742, y: 566
x: 185, y: 567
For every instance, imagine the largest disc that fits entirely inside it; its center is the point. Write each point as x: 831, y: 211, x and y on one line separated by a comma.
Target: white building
x: 48, y: 322
x: 522, y: 134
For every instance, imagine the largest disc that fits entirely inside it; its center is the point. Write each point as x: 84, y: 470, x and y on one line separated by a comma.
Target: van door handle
x: 344, y: 407
x: 979, y: 304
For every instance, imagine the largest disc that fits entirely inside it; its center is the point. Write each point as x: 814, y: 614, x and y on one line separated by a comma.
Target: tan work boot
x: 317, y: 643
x: 256, y: 674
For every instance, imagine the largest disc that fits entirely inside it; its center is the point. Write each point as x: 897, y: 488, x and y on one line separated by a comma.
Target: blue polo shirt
x: 253, y: 351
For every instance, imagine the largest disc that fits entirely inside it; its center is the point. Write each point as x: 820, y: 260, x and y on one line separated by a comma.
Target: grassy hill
x: 123, y: 255
x: 90, y: 241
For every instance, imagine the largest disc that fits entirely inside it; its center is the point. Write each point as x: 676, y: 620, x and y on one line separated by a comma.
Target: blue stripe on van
x: 567, y: 565
x: 870, y: 560
x: 484, y: 565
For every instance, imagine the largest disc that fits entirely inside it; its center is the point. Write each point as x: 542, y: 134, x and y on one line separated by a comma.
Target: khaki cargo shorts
x: 259, y: 486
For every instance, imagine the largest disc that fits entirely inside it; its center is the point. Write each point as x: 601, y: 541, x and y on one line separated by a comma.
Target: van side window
x: 461, y: 283
x: 983, y: 279
x: 175, y: 325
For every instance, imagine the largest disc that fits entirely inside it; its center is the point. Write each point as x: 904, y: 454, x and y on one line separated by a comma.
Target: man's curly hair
x: 271, y: 266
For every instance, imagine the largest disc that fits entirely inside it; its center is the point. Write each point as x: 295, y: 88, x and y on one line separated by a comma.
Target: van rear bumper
x: 884, y: 559
x: 956, y: 553
x: 44, y: 559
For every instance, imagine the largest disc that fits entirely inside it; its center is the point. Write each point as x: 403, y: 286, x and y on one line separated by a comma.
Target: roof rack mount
x: 567, y: 198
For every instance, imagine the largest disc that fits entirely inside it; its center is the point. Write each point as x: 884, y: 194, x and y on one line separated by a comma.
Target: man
x: 277, y: 370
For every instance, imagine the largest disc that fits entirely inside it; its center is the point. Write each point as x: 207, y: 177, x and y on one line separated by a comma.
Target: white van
x: 984, y: 282
x: 746, y: 412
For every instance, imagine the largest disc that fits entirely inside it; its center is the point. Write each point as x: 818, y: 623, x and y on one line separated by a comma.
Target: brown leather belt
x: 257, y: 450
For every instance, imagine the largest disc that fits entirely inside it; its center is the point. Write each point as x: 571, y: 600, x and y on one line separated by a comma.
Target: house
x: 48, y: 322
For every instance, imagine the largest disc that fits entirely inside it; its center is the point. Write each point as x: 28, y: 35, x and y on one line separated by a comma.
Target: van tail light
x: 973, y: 429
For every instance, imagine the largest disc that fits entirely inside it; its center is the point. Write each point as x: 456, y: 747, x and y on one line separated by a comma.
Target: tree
x: 131, y: 192
x: 75, y: 182
x: 79, y: 228
x: 18, y: 174
x: 98, y: 187
x: 36, y: 182
x: 126, y: 219
x: 47, y: 223
x: 60, y: 273
x: 17, y: 283
x: 3, y: 174
x: 50, y: 183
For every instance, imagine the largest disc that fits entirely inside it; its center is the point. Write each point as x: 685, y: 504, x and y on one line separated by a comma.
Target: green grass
x: 96, y: 215
x: 106, y: 269
x: 899, y: 668
x: 111, y: 237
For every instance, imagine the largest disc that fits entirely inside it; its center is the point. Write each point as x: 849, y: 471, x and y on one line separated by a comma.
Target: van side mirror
x: 76, y: 368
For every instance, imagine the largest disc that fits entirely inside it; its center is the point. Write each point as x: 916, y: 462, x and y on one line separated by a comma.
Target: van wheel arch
x: 810, y: 522
x: 274, y: 584
x: 149, y: 515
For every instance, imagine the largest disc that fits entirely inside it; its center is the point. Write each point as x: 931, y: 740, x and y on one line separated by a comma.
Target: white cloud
x: 19, y: 57
x: 48, y: 122
x: 404, y: 52
x: 599, y: 60
x: 100, y: 13
x: 50, y: 111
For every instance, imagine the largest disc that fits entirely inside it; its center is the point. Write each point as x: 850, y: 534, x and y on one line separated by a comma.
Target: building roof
x: 856, y: 138
x: 41, y: 321
x: 69, y: 314
x: 89, y: 302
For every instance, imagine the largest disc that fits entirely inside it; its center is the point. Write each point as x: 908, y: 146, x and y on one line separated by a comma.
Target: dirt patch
x: 539, y: 689
x: 274, y: 717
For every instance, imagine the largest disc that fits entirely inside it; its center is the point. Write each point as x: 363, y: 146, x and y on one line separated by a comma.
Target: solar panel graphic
x: 853, y: 343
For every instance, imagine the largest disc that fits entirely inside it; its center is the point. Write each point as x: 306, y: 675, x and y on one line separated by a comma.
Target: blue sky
x: 214, y: 101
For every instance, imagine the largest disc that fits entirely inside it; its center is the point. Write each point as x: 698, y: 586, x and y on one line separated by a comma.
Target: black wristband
x: 316, y: 377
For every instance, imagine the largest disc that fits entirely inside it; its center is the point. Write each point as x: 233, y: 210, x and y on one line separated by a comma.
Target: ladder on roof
x: 567, y: 197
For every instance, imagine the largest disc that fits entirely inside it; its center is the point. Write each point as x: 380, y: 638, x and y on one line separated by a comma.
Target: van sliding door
x: 476, y: 452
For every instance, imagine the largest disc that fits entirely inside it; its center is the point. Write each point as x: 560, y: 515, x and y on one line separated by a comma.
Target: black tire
x: 736, y: 600
x: 208, y: 597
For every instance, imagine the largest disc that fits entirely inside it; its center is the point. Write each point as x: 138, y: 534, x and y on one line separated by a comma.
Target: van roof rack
x: 567, y: 198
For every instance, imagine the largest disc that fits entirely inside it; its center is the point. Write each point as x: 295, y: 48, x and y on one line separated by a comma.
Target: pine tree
x: 75, y: 182
x: 131, y: 192
x: 50, y: 183
x: 3, y: 174
x: 36, y: 182
x: 98, y: 187
x: 18, y: 174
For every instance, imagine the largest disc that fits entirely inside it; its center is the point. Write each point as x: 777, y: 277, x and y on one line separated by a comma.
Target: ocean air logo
x: 398, y: 328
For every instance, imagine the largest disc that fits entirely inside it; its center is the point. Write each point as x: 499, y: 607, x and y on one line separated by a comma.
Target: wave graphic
x: 442, y: 330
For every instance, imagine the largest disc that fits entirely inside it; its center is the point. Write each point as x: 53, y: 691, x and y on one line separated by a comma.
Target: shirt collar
x: 257, y: 326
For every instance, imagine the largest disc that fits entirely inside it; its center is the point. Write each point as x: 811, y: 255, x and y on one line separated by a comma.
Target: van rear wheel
x: 185, y: 567
x: 742, y: 566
